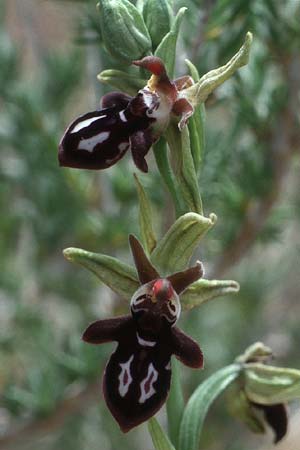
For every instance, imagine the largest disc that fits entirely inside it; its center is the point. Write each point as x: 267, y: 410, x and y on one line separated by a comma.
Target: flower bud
x: 123, y: 29
x: 158, y: 17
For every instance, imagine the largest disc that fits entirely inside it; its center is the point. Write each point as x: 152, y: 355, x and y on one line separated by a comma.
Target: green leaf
x: 204, y: 290
x: 145, y: 218
x: 120, y: 277
x: 196, y: 125
x: 167, y: 48
x: 199, y: 403
x: 184, y: 168
x: 122, y: 81
x: 158, y: 17
x: 175, y: 249
x: 159, y: 438
x: 268, y: 385
x: 175, y: 403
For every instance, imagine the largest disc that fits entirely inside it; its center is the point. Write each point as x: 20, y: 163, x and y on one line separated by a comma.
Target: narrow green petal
x: 203, y: 290
x: 120, y: 277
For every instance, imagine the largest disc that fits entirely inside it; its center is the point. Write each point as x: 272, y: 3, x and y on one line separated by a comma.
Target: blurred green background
x: 50, y: 54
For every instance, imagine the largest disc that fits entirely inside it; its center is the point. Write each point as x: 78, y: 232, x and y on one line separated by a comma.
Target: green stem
x: 175, y: 404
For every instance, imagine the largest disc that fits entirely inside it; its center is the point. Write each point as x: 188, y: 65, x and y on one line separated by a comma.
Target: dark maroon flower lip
x: 99, y: 139
x: 137, y: 377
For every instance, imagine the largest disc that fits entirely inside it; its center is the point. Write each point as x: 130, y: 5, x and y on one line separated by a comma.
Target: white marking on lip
x: 147, y: 389
x: 85, y: 123
x: 145, y: 343
x: 125, y: 378
x: 90, y: 143
x: 122, y: 116
x: 168, y: 366
x: 123, y: 146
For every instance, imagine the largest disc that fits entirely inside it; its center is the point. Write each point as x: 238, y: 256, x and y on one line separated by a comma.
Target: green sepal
x: 196, y: 125
x: 120, y: 277
x: 167, y: 48
x: 145, y: 218
x: 122, y: 81
x: 199, y: 403
x: 268, y: 385
x: 204, y: 290
x: 125, y: 35
x: 175, y: 249
x: 199, y: 92
x: 184, y: 168
x: 158, y: 18
x: 159, y: 438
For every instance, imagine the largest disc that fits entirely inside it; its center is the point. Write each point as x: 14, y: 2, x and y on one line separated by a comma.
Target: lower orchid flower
x: 138, y: 374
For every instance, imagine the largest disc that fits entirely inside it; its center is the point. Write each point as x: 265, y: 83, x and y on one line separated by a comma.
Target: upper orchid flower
x: 100, y: 138
x: 137, y: 377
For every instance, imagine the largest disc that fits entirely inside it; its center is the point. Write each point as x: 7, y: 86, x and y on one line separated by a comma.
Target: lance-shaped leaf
x: 159, y: 438
x: 122, y: 81
x: 199, y: 92
x: 203, y: 290
x: 120, y: 277
x: 184, y: 168
x: 199, y: 403
x: 175, y: 249
x: 167, y: 48
x: 145, y: 218
x: 267, y: 385
x: 196, y: 124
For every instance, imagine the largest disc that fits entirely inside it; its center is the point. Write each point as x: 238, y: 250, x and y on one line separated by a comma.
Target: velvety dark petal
x: 277, y: 418
x: 146, y: 272
x: 106, y: 330
x: 96, y: 140
x: 116, y: 99
x: 186, y: 349
x: 137, y: 379
x: 184, y: 109
x: 140, y: 143
x: 181, y: 280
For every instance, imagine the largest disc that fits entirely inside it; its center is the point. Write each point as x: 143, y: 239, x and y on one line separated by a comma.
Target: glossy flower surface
x: 138, y: 374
